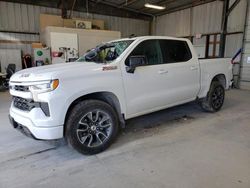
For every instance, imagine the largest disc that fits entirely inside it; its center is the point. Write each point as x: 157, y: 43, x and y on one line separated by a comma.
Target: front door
x: 171, y: 76
x: 145, y: 88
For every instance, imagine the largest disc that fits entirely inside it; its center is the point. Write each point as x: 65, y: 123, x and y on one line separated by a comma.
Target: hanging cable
x: 72, y: 8
x: 87, y: 7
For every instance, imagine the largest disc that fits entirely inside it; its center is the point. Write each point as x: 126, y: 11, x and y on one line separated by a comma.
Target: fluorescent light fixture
x: 154, y: 6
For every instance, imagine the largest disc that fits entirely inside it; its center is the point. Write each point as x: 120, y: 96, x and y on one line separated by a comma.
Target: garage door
x: 245, y: 70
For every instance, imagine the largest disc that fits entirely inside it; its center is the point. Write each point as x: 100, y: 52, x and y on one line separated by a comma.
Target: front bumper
x: 26, y: 126
x: 43, y: 117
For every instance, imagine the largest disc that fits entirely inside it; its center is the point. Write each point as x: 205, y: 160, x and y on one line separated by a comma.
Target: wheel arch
x: 206, y: 84
x: 104, y: 96
x: 221, y: 78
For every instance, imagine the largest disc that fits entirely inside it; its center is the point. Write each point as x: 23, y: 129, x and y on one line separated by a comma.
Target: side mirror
x: 135, y: 61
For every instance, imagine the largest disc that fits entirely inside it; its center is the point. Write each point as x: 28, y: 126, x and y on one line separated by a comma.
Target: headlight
x: 45, y: 86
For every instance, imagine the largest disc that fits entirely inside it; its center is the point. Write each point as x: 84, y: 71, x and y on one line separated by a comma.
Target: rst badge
x: 108, y: 68
x: 24, y: 75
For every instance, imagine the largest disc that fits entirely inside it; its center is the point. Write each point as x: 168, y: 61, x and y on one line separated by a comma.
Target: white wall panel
x: 18, y: 17
x: 207, y: 18
x: 236, y: 19
x: 245, y: 64
x: 233, y: 44
x: 174, y: 24
x: 10, y: 56
x: 25, y: 47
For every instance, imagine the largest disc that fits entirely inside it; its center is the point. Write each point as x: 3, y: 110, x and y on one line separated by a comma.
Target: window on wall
x: 213, y: 46
x: 208, y: 46
x: 200, y: 46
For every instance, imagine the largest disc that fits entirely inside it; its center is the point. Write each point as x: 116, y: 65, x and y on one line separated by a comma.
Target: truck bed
x: 211, y: 67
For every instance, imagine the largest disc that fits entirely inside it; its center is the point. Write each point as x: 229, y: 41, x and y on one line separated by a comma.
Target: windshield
x: 105, y: 53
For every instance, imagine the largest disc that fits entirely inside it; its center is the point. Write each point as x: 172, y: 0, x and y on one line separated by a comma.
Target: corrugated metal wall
x: 10, y: 56
x: 25, y: 18
x: 236, y: 22
x: 205, y: 18
x: 174, y: 24
x: 236, y: 19
x: 245, y: 64
x: 21, y: 41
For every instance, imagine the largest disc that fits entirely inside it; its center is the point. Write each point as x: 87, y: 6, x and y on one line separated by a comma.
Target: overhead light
x: 154, y: 6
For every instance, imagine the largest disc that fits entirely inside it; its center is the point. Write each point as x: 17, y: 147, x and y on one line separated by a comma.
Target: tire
x: 215, y: 98
x: 92, y: 126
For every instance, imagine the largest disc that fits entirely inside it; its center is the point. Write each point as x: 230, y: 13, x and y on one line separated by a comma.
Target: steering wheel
x: 91, y: 55
x: 111, y: 55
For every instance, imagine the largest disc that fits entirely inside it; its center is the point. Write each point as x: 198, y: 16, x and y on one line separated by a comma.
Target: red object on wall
x: 57, y: 54
x: 27, y: 62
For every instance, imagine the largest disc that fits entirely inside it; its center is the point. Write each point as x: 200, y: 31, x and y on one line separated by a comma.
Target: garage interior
x: 177, y: 147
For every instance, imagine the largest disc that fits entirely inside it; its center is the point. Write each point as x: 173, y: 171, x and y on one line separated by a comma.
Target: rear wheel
x: 215, y: 98
x: 92, y: 126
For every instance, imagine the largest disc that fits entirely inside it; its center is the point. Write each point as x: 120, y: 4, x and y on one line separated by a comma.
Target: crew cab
x: 88, y: 101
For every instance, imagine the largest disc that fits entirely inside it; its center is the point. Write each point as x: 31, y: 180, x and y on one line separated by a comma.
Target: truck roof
x: 150, y: 37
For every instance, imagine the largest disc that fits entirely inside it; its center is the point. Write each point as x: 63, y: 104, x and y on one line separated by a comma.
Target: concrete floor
x: 181, y: 147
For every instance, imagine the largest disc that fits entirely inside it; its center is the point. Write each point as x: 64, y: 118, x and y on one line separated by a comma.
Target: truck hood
x: 51, y: 71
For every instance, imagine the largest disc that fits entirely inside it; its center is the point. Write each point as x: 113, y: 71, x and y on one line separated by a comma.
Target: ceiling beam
x: 236, y: 2
x: 124, y: 8
x: 111, y: 9
x: 72, y: 6
x: 127, y: 3
x: 103, y: 7
x: 59, y: 3
x: 39, y: 3
x: 185, y: 6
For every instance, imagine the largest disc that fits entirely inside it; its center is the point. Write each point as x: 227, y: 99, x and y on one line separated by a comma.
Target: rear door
x: 183, y: 71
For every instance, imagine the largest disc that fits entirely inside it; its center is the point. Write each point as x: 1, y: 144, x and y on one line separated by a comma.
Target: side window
x: 174, y: 51
x: 150, y: 49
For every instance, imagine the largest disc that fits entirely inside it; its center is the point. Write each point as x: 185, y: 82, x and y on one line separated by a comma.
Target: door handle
x: 162, y: 71
x: 194, y: 68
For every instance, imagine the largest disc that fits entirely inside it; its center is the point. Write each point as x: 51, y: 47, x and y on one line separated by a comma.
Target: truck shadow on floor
x: 154, y: 123
x: 146, y: 125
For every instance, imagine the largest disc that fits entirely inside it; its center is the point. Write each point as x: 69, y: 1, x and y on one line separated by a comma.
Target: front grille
x: 21, y: 88
x: 23, y: 104
x: 29, y: 104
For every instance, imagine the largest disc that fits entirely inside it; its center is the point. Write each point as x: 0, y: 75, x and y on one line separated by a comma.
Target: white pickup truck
x: 88, y: 101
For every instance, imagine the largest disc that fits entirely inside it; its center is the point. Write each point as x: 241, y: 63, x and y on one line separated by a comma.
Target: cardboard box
x: 58, y: 21
x: 96, y: 24
x: 50, y: 20
x: 69, y: 23
x: 37, y: 45
x: 82, y: 24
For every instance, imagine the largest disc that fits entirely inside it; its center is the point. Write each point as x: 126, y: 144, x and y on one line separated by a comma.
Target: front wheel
x: 215, y: 98
x: 92, y: 126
